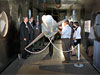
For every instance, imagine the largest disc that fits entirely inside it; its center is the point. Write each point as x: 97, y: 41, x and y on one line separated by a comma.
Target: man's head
x: 37, y: 23
x: 71, y: 23
x: 66, y: 22
x: 31, y: 19
x: 25, y: 19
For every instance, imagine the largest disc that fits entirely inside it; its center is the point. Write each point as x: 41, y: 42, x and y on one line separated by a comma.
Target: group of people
x: 70, y: 35
x: 29, y: 30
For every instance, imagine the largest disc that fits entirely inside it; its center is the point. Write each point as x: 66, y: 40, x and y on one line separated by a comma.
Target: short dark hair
x: 31, y: 17
x: 76, y: 23
x: 67, y: 21
x: 25, y: 17
x: 71, y: 22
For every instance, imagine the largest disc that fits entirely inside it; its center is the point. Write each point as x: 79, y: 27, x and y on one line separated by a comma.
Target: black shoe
x: 28, y: 55
x: 65, y: 61
x: 24, y: 57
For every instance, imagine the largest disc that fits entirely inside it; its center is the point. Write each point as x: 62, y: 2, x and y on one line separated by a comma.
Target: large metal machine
x: 49, y: 29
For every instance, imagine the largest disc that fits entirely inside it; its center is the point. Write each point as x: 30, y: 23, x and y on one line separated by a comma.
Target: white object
x: 49, y: 25
x: 87, y: 26
x: 66, y: 32
x: 78, y: 51
x: 78, y: 64
x: 3, y: 24
x: 77, y: 33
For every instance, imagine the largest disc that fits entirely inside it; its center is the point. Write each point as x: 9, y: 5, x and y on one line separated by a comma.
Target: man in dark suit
x: 34, y: 24
x: 37, y: 31
x: 24, y: 37
x: 31, y: 27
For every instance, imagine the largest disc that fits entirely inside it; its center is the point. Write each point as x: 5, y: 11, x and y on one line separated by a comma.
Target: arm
x: 79, y: 31
x: 60, y: 32
x: 22, y: 33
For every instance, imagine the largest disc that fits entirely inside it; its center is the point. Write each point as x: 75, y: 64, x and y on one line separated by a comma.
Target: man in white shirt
x: 65, y: 36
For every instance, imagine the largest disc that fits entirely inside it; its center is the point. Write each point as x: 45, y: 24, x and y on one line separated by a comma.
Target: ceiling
x: 65, y: 4
x: 69, y: 4
x: 88, y: 5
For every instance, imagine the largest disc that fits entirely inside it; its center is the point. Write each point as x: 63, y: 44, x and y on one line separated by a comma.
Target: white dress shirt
x: 77, y: 33
x: 66, y: 32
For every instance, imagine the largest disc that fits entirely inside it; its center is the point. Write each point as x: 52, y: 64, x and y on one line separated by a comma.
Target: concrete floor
x: 42, y: 64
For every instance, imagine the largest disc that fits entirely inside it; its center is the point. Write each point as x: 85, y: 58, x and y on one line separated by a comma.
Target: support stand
x: 78, y: 64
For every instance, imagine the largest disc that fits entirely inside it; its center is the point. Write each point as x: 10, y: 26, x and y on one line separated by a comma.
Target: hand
x: 59, y: 31
x: 24, y: 39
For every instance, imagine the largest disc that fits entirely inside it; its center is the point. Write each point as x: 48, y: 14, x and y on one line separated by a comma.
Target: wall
x: 35, y: 13
x: 10, y: 45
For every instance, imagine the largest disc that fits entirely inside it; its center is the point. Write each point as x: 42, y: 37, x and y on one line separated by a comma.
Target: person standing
x: 33, y: 23
x: 77, y: 35
x: 65, y: 36
x: 37, y: 31
x: 24, y: 37
x: 72, y: 31
x: 31, y: 29
x: 30, y: 23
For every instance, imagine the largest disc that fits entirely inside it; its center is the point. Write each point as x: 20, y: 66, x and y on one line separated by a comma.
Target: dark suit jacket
x: 37, y: 30
x: 24, y: 33
x: 34, y: 24
x: 31, y: 31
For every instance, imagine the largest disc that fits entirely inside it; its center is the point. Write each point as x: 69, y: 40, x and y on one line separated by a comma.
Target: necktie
x: 28, y: 28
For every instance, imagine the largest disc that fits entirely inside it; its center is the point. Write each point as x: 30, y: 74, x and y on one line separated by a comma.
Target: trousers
x: 66, y: 47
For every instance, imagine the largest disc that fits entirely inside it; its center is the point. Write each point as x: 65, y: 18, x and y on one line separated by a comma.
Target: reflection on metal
x: 73, y: 15
x: 20, y: 18
x: 29, y: 13
x: 3, y: 24
x: 78, y: 65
